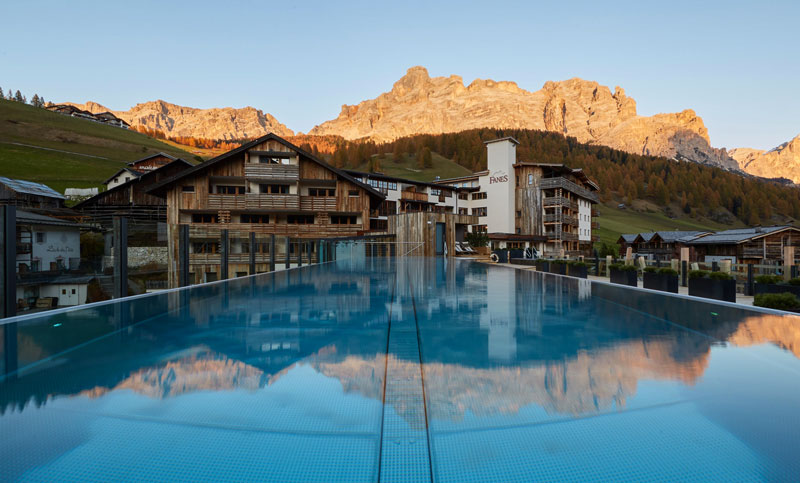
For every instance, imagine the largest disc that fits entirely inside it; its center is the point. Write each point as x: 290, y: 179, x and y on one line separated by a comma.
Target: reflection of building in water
x: 500, y: 316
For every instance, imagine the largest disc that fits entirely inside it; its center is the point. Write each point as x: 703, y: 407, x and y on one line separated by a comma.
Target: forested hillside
x: 679, y: 188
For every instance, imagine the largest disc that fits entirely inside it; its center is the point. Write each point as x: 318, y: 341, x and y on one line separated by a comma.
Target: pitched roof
x: 740, y: 235
x: 629, y: 237
x: 132, y: 163
x: 158, y: 188
x: 31, y: 188
x: 29, y: 218
x: 102, y: 194
x: 678, y: 235
x: 359, y: 174
x: 129, y: 170
x: 507, y: 138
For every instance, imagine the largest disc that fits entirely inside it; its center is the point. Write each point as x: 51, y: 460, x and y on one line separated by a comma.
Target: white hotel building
x: 519, y: 204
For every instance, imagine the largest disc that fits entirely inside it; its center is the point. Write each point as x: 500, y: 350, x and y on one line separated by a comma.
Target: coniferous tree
x: 1, y: 93
x: 18, y: 96
x: 10, y: 95
x: 35, y: 102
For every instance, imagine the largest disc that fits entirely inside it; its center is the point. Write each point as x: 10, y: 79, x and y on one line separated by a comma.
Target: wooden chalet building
x: 130, y: 198
x: 658, y: 245
x: 267, y: 186
x: 29, y: 195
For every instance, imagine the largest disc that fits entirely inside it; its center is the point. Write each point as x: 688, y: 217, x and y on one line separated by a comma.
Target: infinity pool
x: 402, y: 370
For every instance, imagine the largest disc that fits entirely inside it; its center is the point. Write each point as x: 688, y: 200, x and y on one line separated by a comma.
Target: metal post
x: 272, y: 253
x: 793, y: 271
x: 120, y: 257
x: 252, y: 253
x: 658, y: 263
x: 183, y: 255
x: 748, y: 289
x: 714, y: 267
x: 9, y: 261
x: 224, y: 246
x: 684, y: 275
x: 308, y: 250
x: 299, y: 253
x: 288, y: 249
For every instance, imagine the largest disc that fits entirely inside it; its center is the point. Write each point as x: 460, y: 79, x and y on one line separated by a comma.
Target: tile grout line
x: 385, y: 376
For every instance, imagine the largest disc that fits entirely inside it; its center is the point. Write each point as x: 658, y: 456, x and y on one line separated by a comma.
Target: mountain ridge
x: 781, y: 161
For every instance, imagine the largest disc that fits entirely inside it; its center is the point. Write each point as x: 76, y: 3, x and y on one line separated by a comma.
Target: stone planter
x: 776, y: 288
x: 624, y: 277
x: 660, y: 281
x: 577, y: 271
x: 542, y: 266
x: 724, y: 290
x: 558, y: 268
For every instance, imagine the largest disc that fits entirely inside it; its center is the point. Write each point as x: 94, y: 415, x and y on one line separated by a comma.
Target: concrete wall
x: 500, y: 186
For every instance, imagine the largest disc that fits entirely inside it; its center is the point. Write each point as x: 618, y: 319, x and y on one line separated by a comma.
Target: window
x: 479, y: 229
x: 274, y: 189
x: 344, y: 219
x: 321, y: 192
x: 205, y: 218
x: 447, y: 193
x: 387, y: 208
x: 73, y: 291
x: 127, y: 178
x: 273, y: 160
x: 382, y: 185
x: 230, y: 190
x: 479, y: 211
x: 260, y: 247
x: 519, y: 213
x: 436, y: 192
x: 463, y: 211
x: 211, y: 276
x: 241, y: 274
x: 463, y: 196
x: 300, y: 219
x: 353, y: 193
x: 530, y: 179
x: 40, y: 237
x: 63, y: 291
x: 204, y: 247
x: 379, y: 225
x: 248, y: 218
x: 116, y: 181
x: 187, y: 189
x: 479, y: 196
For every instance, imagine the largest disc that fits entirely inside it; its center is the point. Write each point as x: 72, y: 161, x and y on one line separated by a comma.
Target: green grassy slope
x: 66, y: 152
x: 614, y: 221
x: 407, y: 168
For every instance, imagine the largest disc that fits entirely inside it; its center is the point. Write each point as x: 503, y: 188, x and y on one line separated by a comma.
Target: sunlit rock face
x: 780, y: 162
x: 226, y: 123
x: 779, y: 330
x: 586, y: 110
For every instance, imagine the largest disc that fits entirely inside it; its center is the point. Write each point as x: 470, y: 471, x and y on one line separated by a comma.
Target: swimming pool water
x: 402, y: 370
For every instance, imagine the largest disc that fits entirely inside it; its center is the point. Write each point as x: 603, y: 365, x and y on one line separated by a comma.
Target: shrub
x: 794, y: 281
x: 650, y: 269
x: 621, y: 267
x: 667, y: 271
x: 558, y: 261
x: 478, y: 239
x: 698, y: 273
x: 577, y: 263
x: 780, y: 301
x: 719, y: 276
x: 768, y: 279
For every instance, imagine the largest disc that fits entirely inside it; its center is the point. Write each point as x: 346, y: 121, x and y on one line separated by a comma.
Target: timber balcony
x: 271, y: 171
x: 561, y: 235
x: 254, y: 201
x: 560, y: 201
x: 563, y: 219
x: 564, y: 183
x: 317, y: 203
x: 413, y: 196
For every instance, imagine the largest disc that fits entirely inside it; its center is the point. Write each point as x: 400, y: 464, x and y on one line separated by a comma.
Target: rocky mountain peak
x: 782, y: 161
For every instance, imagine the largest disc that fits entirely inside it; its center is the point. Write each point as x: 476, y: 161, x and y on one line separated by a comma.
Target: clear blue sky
x: 736, y: 63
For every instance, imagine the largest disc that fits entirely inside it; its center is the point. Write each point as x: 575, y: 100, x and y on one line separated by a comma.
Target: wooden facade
x: 268, y: 186
x: 416, y: 232
x: 132, y: 199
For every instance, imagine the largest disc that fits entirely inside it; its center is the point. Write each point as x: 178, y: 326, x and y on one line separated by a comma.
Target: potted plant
x: 624, y: 274
x: 781, y: 301
x: 663, y: 279
x: 558, y: 267
x: 542, y: 265
x: 578, y: 269
x: 712, y: 285
x: 775, y: 284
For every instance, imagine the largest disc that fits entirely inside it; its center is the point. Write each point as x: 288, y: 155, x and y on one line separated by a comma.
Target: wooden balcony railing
x: 317, y: 203
x: 413, y: 196
x: 564, y: 183
x: 560, y: 201
x: 254, y: 201
x: 564, y: 219
x: 271, y: 171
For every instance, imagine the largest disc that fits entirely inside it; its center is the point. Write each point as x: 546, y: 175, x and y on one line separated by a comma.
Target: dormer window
x: 272, y: 160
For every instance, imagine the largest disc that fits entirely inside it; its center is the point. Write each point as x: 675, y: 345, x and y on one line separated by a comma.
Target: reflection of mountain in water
x: 207, y: 372
x: 783, y: 331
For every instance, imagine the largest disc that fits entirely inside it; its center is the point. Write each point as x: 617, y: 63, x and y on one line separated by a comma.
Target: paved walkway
x: 740, y: 299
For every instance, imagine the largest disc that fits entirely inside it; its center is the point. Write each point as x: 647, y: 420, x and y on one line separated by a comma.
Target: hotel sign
x: 498, y: 177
